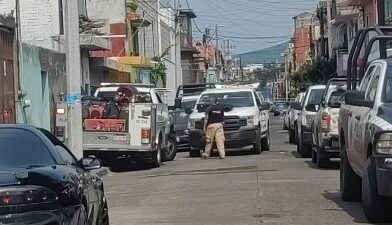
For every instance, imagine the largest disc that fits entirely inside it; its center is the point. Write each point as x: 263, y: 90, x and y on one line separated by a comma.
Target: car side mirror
x: 296, y: 105
x: 357, y: 98
x: 177, y: 103
x: 188, y: 110
x: 323, y: 104
x: 227, y: 108
x: 264, y: 106
x: 91, y: 163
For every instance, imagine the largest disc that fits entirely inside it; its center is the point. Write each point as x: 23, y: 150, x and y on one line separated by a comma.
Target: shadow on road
x: 296, y: 154
x: 352, y: 209
x: 334, y: 165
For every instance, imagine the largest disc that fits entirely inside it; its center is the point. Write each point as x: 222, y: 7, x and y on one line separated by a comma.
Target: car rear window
x: 315, y: 96
x: 21, y: 148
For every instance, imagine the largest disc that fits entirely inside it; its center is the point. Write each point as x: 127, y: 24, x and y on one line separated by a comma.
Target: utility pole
x: 178, y: 70
x: 216, y: 45
x: 242, y: 71
x: 72, y: 46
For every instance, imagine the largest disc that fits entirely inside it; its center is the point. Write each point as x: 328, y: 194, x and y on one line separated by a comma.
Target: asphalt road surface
x: 276, y: 187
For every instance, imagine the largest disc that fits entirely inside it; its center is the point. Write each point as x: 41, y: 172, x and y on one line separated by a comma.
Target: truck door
x: 356, y: 129
x: 263, y: 114
x: 365, y: 114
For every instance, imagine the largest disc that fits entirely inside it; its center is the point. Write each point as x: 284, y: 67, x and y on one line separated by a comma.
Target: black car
x: 41, y: 181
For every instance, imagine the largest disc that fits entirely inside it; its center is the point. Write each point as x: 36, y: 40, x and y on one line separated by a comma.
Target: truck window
x: 371, y: 92
x: 366, y: 79
x: 315, y: 96
x: 235, y: 99
x: 188, y: 104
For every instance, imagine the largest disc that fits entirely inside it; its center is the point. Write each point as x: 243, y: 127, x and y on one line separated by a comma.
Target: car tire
x: 284, y: 126
x: 156, y: 160
x: 322, y: 161
x: 291, y: 136
x: 375, y: 207
x: 103, y: 214
x: 304, y: 149
x: 314, y: 155
x: 266, y: 143
x: 350, y: 182
x: 170, y: 151
x: 257, y: 147
x: 194, y: 153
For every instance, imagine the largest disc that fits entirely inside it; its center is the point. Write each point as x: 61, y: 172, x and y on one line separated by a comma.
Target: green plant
x: 159, y: 70
x: 317, y: 72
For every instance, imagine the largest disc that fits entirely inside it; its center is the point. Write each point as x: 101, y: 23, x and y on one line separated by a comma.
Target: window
x: 372, y: 91
x: 315, y: 96
x: 188, y: 104
x: 366, y: 79
x: 63, y: 151
x: 21, y: 148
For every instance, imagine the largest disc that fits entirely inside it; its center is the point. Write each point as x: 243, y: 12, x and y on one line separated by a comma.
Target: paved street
x: 276, y: 187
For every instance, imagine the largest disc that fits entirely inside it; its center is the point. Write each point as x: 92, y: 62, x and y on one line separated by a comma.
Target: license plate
x: 119, y: 138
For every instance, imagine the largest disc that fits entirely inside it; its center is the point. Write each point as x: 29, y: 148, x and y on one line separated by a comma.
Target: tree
x: 159, y: 70
x: 317, y: 72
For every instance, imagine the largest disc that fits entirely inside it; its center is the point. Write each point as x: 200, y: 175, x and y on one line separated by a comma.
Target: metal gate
x: 7, y: 85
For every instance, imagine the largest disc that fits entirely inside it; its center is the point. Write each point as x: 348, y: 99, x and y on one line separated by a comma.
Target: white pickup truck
x: 246, y: 124
x: 127, y: 120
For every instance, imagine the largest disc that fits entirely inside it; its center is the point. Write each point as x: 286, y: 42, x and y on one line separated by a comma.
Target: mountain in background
x: 265, y: 55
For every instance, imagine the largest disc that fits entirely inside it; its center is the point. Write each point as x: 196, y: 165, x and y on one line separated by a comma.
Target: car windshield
x: 21, y: 148
x: 141, y: 97
x: 235, y: 99
x: 315, y: 96
x: 282, y: 105
x: 188, y: 104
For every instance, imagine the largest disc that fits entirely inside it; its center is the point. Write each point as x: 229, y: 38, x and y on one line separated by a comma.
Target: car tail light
x: 325, y: 122
x: 146, y: 134
x: 26, y: 198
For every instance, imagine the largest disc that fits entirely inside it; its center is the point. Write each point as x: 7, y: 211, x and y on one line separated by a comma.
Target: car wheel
x: 321, y: 161
x: 314, y: 155
x: 157, y: 156
x: 304, y: 149
x: 117, y: 165
x: 375, y: 207
x: 291, y: 136
x: 257, y: 147
x: 103, y: 214
x: 193, y: 153
x: 350, y: 182
x: 170, y: 151
x: 266, y: 142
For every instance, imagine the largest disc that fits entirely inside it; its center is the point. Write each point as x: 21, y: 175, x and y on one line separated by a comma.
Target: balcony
x: 136, y: 19
x: 93, y: 42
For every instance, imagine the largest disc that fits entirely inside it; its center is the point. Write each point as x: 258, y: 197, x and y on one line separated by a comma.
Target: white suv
x: 245, y: 124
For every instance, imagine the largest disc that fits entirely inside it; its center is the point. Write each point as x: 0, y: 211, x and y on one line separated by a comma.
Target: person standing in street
x: 213, y: 128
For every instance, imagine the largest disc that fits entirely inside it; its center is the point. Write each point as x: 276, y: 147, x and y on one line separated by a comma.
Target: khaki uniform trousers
x: 215, y: 133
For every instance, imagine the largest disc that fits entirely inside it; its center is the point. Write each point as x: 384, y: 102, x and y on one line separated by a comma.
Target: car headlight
x: 384, y: 144
x: 250, y: 121
x: 191, y: 124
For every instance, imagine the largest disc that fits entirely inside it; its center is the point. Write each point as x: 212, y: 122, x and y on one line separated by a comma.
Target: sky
x: 248, y: 24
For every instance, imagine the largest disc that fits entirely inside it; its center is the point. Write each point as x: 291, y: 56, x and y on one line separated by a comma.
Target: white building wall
x: 103, y: 9
x: 40, y: 21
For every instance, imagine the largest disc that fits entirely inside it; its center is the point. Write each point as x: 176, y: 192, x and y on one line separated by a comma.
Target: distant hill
x: 264, y: 55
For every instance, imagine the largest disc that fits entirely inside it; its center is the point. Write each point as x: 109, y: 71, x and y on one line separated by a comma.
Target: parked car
x: 308, y: 109
x: 245, y: 124
x: 325, y: 125
x: 293, y: 117
x: 41, y: 181
x: 365, y: 126
x: 127, y: 121
x: 186, y: 98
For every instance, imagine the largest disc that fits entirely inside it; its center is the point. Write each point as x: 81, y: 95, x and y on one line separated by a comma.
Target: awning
x: 134, y: 61
x: 110, y: 63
